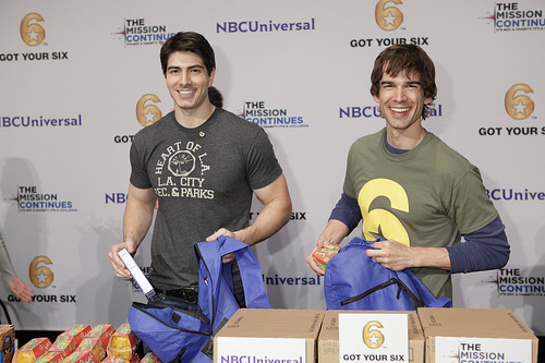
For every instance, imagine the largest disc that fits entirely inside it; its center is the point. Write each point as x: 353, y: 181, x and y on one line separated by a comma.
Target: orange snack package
x: 87, y: 356
x: 93, y: 345
x: 116, y: 359
x: 51, y: 357
x: 123, y: 342
x: 69, y: 340
x: 102, y: 333
x: 32, y: 350
x: 324, y: 254
x: 150, y: 358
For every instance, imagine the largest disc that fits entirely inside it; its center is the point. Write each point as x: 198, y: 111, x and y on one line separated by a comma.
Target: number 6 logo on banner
x: 148, y: 114
x: 32, y: 34
x: 519, y: 107
x: 40, y: 275
x: 388, y: 18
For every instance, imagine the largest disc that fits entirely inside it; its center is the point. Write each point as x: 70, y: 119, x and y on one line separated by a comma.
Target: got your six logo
x: 32, y: 33
x: 41, y: 276
x: 389, y: 17
x: 519, y: 105
x: 373, y: 337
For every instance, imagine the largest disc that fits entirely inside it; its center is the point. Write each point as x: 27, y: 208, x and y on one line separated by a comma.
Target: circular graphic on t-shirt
x: 181, y: 163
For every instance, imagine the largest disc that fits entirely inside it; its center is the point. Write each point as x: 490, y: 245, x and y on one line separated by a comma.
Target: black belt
x: 188, y: 294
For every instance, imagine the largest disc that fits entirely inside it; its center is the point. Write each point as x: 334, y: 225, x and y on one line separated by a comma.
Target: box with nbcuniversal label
x: 269, y: 335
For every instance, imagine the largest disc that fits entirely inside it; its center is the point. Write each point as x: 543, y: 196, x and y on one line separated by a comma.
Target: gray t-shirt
x: 204, y: 179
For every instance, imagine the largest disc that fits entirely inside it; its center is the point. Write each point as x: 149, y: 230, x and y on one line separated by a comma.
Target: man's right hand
x: 312, y: 263
x: 117, y: 264
x: 333, y: 234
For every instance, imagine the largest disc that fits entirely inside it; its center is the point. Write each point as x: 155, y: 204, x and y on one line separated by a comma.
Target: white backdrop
x: 73, y: 75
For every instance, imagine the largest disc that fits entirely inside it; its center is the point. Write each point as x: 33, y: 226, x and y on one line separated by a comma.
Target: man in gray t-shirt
x: 203, y: 164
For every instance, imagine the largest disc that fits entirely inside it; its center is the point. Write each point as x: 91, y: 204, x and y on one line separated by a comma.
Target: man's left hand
x: 393, y: 255
x: 223, y: 232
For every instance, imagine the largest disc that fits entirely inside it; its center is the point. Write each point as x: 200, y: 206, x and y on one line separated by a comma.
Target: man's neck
x: 405, y: 139
x: 192, y: 118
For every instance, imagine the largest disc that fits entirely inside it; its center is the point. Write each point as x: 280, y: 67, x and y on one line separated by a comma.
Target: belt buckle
x: 189, y: 296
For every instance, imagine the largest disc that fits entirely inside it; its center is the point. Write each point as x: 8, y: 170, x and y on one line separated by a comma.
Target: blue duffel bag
x: 188, y: 337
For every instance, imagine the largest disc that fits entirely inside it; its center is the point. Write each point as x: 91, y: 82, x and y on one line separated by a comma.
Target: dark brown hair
x: 188, y: 42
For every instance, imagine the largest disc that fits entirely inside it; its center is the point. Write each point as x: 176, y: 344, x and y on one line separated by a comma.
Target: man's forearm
x: 274, y: 216
x: 137, y: 220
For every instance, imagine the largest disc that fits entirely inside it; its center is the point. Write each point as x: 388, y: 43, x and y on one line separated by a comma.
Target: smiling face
x: 188, y: 81
x: 401, y: 100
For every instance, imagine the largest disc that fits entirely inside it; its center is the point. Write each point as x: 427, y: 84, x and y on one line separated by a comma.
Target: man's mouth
x: 398, y: 109
x: 186, y: 92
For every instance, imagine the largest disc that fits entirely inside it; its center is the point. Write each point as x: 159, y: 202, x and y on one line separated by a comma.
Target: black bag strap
x: 416, y: 301
x: 8, y: 318
x: 238, y: 287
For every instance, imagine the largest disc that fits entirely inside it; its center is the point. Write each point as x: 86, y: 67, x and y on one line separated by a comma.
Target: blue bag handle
x: 429, y: 300
x: 250, y: 271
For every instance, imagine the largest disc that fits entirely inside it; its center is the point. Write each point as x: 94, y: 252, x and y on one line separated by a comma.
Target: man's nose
x: 185, y: 79
x: 400, y: 93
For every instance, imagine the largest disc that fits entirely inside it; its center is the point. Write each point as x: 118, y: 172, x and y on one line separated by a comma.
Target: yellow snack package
x: 32, y: 350
x: 123, y: 342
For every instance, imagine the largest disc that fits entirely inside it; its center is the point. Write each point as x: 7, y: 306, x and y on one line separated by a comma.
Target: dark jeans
x: 175, y: 303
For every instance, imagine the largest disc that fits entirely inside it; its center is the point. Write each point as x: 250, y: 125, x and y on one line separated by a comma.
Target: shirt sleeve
x: 139, y: 176
x: 347, y: 211
x: 263, y: 166
x: 485, y: 249
x: 6, y: 268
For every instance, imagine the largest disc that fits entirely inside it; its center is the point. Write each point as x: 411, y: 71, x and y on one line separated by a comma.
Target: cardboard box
x: 269, y: 334
x: 328, y: 340
x: 478, y: 326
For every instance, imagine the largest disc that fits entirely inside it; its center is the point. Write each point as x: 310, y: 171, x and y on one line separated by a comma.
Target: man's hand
x: 117, y: 264
x: 393, y: 255
x: 20, y: 290
x: 332, y: 235
x: 223, y: 232
x: 398, y: 256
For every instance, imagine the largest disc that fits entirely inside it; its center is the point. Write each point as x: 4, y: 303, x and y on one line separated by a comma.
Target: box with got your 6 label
x: 269, y: 335
x: 477, y: 335
x: 371, y: 336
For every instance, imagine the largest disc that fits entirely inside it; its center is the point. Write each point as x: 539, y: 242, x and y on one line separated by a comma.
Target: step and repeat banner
x: 79, y: 79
